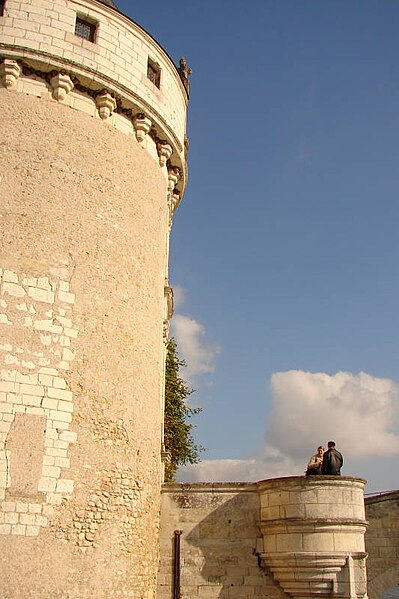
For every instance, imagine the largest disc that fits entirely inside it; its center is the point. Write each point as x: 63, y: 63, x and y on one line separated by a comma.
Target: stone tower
x: 92, y: 166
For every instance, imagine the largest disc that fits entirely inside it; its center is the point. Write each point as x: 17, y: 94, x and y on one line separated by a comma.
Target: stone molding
x: 62, y: 83
x: 116, y: 64
x: 305, y: 575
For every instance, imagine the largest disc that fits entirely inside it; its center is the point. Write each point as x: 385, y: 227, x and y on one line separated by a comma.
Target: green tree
x: 178, y: 438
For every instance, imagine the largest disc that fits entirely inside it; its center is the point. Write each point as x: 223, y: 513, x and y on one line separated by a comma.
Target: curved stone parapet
x: 313, y: 530
x: 121, y: 75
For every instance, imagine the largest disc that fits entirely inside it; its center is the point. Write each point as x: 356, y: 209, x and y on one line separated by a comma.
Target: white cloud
x: 359, y: 412
x: 179, y: 296
x: 199, y: 356
x: 251, y: 469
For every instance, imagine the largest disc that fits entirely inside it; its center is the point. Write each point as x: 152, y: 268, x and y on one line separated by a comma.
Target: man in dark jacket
x: 332, y: 461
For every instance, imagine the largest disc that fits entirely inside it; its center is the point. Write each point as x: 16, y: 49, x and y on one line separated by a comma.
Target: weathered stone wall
x: 382, y: 543
x: 221, y: 542
x: 92, y: 165
x: 254, y: 540
x: 83, y: 229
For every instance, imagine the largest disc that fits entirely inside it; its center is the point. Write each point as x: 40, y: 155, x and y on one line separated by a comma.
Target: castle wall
x: 259, y: 539
x: 117, y: 60
x: 92, y: 164
x: 382, y: 543
x: 221, y: 542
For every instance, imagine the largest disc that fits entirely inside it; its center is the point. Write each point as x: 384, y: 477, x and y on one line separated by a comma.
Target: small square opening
x: 154, y: 73
x: 85, y: 29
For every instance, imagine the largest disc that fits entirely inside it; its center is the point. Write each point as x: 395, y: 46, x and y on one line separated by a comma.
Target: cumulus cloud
x: 199, y: 356
x: 358, y: 411
x: 270, y: 465
x: 179, y: 296
x: 191, y: 341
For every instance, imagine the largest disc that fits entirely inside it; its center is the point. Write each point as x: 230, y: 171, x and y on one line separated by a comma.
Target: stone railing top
x: 271, y: 483
x: 309, y: 481
x: 230, y: 487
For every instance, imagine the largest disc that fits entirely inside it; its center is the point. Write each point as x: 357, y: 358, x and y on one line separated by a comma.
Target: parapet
x: 87, y: 55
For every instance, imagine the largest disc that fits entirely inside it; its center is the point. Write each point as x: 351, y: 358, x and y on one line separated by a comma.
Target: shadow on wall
x: 219, y: 553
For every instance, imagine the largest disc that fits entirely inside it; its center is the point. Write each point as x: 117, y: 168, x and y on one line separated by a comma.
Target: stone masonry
x: 92, y: 167
x: 285, y: 537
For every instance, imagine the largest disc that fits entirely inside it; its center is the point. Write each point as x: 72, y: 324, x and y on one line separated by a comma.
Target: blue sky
x: 284, y: 251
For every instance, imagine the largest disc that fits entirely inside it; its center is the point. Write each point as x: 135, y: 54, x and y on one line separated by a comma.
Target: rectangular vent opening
x: 154, y: 73
x: 85, y: 29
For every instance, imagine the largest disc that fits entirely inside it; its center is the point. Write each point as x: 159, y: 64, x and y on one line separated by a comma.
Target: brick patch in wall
x: 36, y: 330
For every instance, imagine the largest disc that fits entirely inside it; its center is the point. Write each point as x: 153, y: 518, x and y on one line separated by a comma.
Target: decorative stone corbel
x: 106, y: 104
x: 61, y: 84
x: 168, y: 311
x: 173, y: 202
x: 168, y: 294
x: 174, y: 174
x: 142, y: 126
x: 176, y: 197
x: 164, y: 152
x: 9, y: 72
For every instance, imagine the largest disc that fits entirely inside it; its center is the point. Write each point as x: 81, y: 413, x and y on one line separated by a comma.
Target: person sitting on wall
x: 332, y: 461
x: 315, y: 462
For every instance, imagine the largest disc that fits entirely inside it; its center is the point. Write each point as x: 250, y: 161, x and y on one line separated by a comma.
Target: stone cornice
x: 62, y: 82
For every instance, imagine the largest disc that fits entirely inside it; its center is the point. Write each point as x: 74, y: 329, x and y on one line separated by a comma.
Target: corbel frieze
x: 142, y: 126
x: 106, y: 104
x: 174, y: 175
x: 164, y: 150
x: 9, y: 72
x: 62, y: 82
x: 168, y: 296
x: 61, y: 85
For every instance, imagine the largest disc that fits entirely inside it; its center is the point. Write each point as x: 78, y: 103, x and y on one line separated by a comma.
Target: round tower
x: 92, y: 166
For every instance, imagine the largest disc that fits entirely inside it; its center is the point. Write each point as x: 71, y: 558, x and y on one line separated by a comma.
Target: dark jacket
x: 332, y: 462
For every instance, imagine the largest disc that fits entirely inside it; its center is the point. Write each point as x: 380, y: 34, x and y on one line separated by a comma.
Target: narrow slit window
x: 154, y: 73
x: 2, y: 6
x: 85, y: 29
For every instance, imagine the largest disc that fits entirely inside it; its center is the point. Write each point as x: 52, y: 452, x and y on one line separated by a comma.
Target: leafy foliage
x: 178, y: 438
